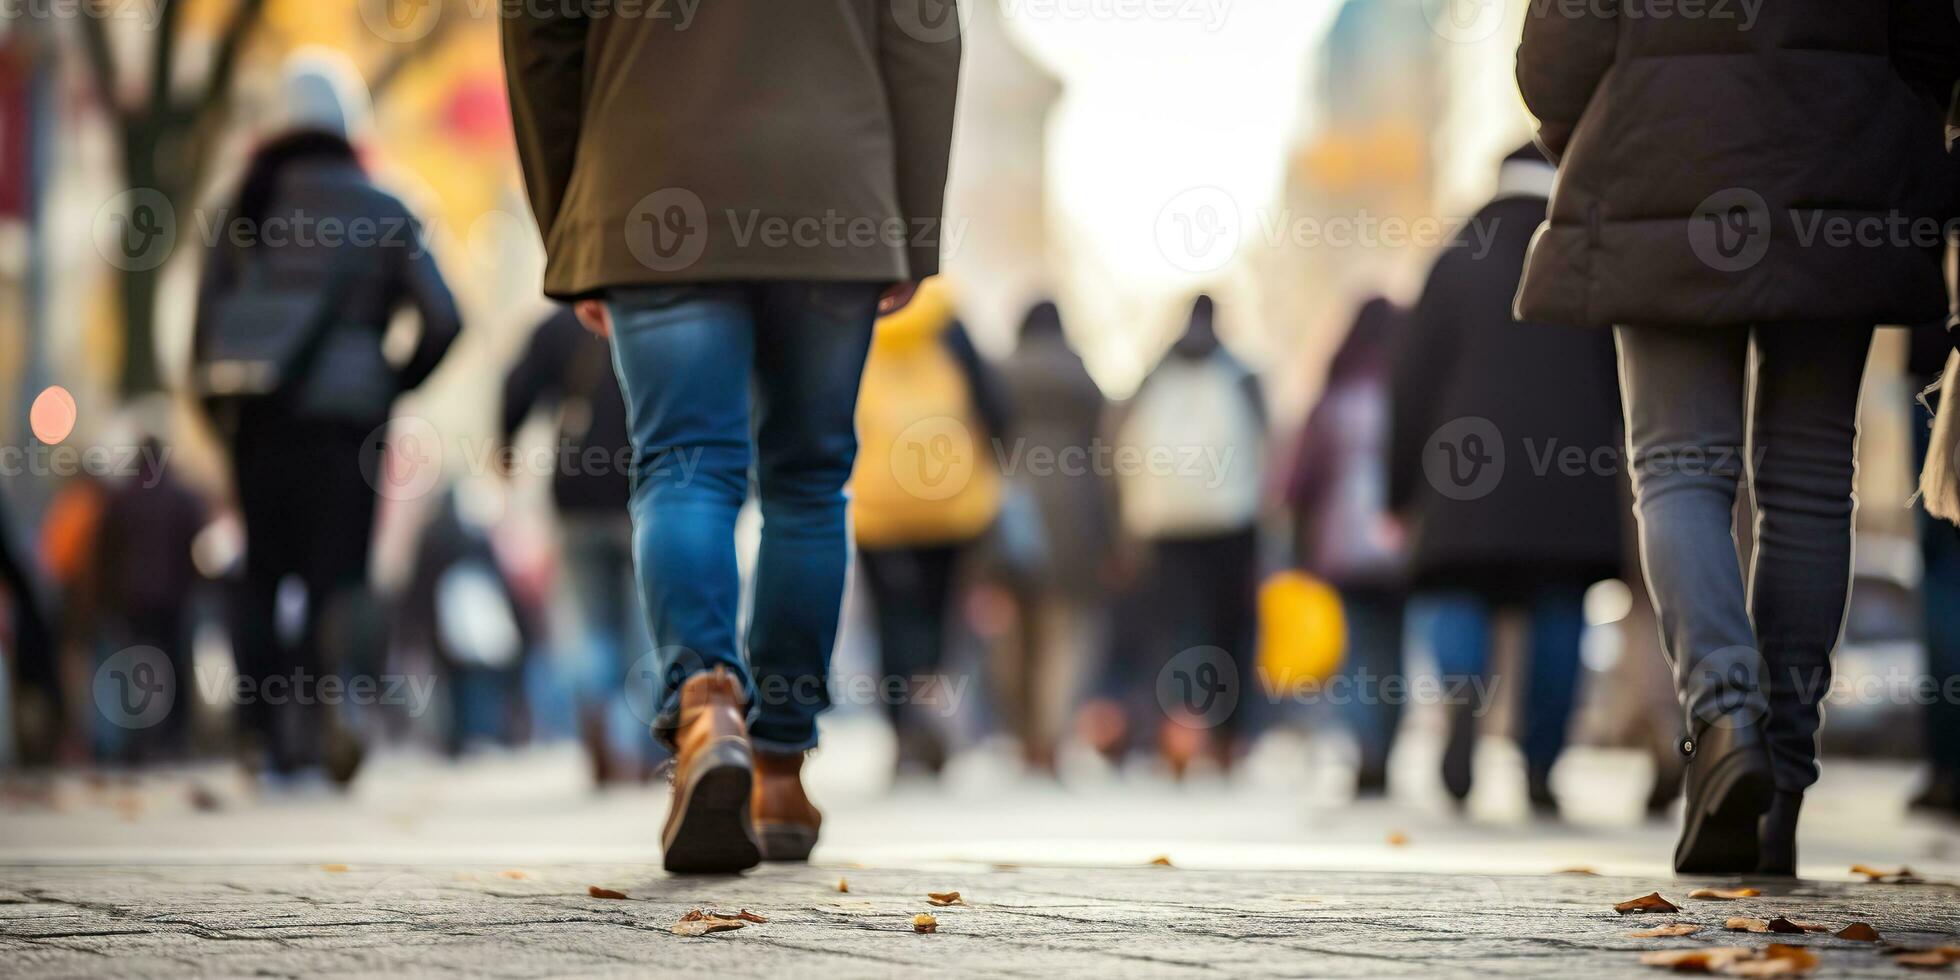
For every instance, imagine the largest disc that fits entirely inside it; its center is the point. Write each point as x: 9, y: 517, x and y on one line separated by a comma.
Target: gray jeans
x: 1698, y: 431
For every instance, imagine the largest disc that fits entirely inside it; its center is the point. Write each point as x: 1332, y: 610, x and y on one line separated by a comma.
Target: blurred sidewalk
x: 1285, y: 808
x: 483, y: 868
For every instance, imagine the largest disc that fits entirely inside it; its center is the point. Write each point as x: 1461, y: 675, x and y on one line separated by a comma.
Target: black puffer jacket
x: 1538, y: 403
x: 309, y: 220
x: 1710, y: 163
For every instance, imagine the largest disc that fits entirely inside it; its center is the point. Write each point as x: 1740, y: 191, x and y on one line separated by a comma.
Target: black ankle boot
x: 1779, y: 836
x: 1729, y: 788
x: 1538, y: 790
x: 1459, y: 751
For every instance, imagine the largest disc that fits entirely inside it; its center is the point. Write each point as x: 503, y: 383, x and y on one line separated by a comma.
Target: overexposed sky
x: 1178, y: 94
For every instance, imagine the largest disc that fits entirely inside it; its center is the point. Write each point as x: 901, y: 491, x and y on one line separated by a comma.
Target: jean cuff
x: 774, y: 747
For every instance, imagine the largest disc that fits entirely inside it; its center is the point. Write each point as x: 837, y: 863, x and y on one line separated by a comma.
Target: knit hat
x: 323, y: 91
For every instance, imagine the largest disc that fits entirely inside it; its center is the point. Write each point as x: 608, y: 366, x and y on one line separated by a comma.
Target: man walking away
x: 734, y: 199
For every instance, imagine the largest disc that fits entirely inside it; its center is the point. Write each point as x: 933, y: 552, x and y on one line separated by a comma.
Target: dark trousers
x: 911, y: 598
x: 1202, y: 592
x: 1760, y: 652
x: 309, y: 514
x: 1374, y: 654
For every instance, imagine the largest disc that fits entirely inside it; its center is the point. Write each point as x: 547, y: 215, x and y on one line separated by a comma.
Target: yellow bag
x: 925, y: 471
x: 1302, y: 632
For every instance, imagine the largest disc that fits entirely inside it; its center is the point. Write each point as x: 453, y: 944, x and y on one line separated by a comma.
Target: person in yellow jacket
x: 927, y: 487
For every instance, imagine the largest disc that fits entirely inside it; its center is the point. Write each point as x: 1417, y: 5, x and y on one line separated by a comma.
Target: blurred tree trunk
x: 165, y: 139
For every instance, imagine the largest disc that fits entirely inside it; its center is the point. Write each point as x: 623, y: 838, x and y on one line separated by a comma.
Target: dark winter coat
x: 1722, y: 172
x: 308, y: 220
x: 1059, y: 411
x: 567, y: 368
x: 738, y: 139
x: 1540, y: 402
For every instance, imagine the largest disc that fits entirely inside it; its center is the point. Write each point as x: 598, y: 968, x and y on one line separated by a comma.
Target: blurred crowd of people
x: 1011, y: 522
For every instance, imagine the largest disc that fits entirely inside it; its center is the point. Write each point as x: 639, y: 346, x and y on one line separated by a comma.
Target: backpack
x: 1191, y: 452
x: 926, y: 472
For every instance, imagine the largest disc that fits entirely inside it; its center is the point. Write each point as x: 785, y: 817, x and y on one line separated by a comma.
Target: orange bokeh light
x: 52, y: 416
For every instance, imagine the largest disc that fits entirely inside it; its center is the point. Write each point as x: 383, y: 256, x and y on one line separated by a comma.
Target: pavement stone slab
x: 1043, y: 922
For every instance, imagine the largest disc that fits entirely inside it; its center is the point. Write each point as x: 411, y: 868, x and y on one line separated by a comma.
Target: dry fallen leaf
x: 1397, y: 838
x: 700, y: 923
x: 513, y: 875
x: 1778, y: 924
x: 335, y: 868
x: 1707, y: 959
x: 1724, y: 894
x: 1928, y: 959
x: 924, y: 922
x: 1776, y: 960
x: 1903, y: 876
x: 596, y: 892
x: 944, y: 898
x: 1652, y: 902
x: 1860, y: 932
x: 1576, y: 871
x: 1805, y: 925
x: 843, y: 886
x: 747, y: 916
x: 1161, y: 861
x: 1676, y: 929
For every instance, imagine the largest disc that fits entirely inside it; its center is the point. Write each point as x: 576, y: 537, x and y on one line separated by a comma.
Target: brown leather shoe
x: 785, y: 820
x: 714, y: 771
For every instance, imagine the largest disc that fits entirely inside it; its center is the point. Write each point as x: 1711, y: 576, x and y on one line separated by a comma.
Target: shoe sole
x: 1725, y: 839
x: 786, y: 842
x: 712, y: 835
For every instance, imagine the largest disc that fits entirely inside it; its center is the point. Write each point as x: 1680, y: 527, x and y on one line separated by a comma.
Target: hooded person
x: 1191, y: 481
x: 295, y: 298
x: 1062, y: 498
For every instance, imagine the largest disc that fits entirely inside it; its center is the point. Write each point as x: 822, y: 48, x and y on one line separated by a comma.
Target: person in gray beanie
x: 310, y: 265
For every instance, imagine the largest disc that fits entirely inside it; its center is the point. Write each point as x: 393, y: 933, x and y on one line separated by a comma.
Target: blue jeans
x: 1460, y: 631
x: 718, y: 377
